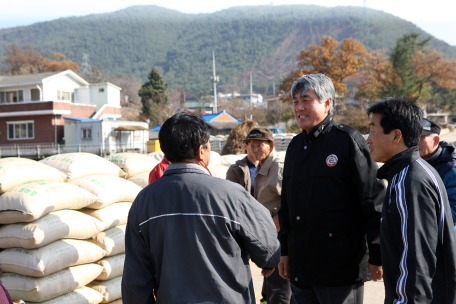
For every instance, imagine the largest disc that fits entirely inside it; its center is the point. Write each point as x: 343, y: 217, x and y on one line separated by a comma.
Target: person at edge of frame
x: 417, y: 235
x: 442, y: 156
x: 331, y: 203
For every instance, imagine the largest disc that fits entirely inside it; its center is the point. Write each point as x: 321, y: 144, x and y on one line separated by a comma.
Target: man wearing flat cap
x: 442, y: 156
x: 267, y: 190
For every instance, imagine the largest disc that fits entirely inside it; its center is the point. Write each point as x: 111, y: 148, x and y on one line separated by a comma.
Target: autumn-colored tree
x: 376, y: 77
x: 431, y: 67
x: 28, y: 60
x: 336, y: 60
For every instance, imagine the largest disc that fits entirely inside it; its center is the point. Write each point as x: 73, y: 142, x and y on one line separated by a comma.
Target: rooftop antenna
x: 214, y: 79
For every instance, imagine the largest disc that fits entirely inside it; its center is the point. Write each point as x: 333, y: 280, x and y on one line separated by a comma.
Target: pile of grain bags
x: 137, y: 166
x: 43, y: 234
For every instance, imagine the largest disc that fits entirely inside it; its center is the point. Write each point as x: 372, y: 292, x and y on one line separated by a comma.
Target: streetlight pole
x: 214, y: 79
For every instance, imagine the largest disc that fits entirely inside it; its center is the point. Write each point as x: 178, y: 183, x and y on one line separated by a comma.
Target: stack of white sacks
x: 63, y: 229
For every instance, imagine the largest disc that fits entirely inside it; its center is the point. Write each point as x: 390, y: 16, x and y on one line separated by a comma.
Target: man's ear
x: 272, y: 145
x: 328, y: 103
x: 436, y: 140
x: 200, y: 153
x: 397, y: 136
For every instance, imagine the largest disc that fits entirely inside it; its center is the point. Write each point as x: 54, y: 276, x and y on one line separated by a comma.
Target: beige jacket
x: 268, y: 182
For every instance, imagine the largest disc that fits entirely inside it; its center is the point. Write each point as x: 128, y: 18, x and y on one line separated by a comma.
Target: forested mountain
x: 265, y: 40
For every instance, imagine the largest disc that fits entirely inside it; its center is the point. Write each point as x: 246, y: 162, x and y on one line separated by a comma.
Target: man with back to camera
x: 417, y: 236
x: 268, y: 189
x: 442, y: 156
x: 189, y: 234
x: 331, y: 203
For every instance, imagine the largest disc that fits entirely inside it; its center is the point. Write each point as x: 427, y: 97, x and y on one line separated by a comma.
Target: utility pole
x: 251, y: 102
x: 273, y: 88
x: 214, y: 79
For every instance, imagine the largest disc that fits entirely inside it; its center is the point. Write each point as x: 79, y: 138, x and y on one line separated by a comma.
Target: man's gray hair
x: 321, y: 84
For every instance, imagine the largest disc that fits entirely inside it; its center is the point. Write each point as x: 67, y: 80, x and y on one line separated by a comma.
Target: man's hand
x: 267, y: 272
x: 283, y: 267
x: 276, y: 222
x: 376, y: 272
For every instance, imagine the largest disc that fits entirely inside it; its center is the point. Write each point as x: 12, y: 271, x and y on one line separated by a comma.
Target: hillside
x: 264, y: 40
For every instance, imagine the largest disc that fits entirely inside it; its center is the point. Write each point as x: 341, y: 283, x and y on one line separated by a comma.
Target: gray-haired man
x: 331, y: 200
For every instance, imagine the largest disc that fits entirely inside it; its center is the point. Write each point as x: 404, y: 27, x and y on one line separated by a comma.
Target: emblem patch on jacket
x: 331, y: 160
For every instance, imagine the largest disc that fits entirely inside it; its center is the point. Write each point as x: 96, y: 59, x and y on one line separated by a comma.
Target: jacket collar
x: 264, y: 168
x: 177, y: 168
x: 321, y: 129
x: 445, y: 153
x: 397, y: 163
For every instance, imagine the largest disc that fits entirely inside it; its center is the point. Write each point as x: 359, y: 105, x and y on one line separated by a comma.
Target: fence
x: 37, y: 151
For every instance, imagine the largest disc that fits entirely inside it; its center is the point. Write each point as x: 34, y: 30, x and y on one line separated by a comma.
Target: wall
x: 44, y: 129
x: 115, y: 139
x: 82, y: 95
x: 113, y: 95
x: 63, y: 83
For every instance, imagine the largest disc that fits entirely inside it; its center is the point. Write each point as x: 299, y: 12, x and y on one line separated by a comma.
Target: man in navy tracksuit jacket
x: 417, y: 236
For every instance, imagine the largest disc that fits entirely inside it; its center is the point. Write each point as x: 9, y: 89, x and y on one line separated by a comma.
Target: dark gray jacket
x: 188, y: 239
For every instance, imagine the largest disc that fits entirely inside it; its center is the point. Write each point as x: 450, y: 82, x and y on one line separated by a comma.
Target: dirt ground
x: 374, y: 292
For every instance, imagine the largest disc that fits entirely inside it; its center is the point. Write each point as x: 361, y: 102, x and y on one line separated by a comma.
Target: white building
x: 257, y: 99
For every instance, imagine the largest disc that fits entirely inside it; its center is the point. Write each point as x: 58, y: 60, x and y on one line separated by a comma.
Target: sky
x: 435, y: 17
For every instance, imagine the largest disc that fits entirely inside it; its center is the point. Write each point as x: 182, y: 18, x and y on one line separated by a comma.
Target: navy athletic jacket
x: 417, y: 237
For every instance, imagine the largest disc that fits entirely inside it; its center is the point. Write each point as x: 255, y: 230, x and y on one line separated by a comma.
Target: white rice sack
x: 76, y: 165
x: 112, y: 267
x: 216, y: 160
x: 29, y: 202
x: 82, y: 295
x: 109, y: 189
x: 52, y: 227
x: 141, y: 179
x: 231, y: 159
x: 133, y: 163
x: 15, y: 171
x: 50, y: 258
x: 111, y: 240
x: 117, y: 301
x: 157, y: 155
x: 219, y: 171
x: 50, y: 286
x: 113, y: 215
x: 111, y: 290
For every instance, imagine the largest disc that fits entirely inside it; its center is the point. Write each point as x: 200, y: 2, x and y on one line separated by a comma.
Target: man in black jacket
x: 331, y: 200
x: 189, y: 235
x: 417, y: 236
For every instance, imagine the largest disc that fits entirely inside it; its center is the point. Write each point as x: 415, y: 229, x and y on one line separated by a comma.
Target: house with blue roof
x: 219, y: 123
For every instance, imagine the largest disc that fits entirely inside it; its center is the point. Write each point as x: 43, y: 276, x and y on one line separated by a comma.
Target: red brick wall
x: 109, y: 110
x: 81, y: 111
x: 44, y: 129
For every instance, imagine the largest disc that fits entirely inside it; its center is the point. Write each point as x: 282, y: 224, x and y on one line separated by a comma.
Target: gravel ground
x: 374, y: 292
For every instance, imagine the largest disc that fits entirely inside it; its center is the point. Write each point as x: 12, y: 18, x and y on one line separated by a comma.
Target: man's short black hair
x: 181, y: 135
x: 399, y: 113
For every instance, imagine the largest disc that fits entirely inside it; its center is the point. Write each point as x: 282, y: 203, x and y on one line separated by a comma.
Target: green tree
x: 154, y: 98
x: 401, y: 57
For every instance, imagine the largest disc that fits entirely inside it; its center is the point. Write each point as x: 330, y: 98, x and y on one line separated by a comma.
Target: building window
x: 63, y: 95
x: 101, y: 90
x: 21, y: 130
x: 86, y: 133
x: 35, y: 94
x: 12, y: 96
